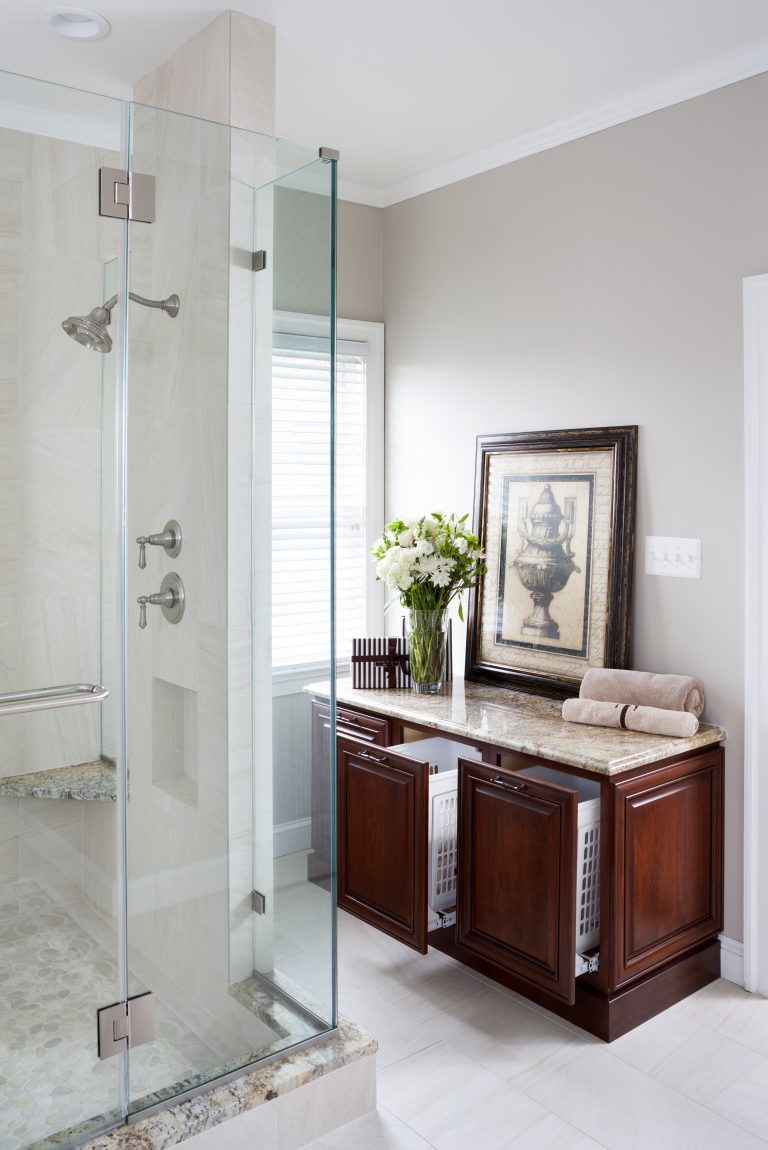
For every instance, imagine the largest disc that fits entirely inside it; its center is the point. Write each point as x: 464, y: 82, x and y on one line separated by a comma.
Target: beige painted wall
x: 599, y: 283
x: 360, y: 262
x: 301, y: 251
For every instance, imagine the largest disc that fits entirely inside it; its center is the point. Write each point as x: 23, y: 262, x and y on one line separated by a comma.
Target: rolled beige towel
x: 627, y: 716
x: 644, y: 689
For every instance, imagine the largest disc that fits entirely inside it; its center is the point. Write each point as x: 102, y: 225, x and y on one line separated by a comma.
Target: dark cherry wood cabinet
x: 668, y: 891
x: 518, y: 873
x: 367, y: 728
x: 382, y: 840
x: 516, y: 902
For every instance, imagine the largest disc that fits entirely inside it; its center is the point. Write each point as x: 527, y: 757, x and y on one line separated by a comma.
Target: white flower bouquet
x: 428, y: 561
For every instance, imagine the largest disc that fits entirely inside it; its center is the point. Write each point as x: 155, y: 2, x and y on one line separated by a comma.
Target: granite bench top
x: 516, y: 721
x: 93, y: 782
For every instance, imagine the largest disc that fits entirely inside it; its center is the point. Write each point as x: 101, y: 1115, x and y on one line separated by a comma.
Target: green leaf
x: 461, y: 611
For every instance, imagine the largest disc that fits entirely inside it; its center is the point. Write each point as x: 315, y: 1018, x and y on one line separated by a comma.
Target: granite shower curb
x: 182, y: 1120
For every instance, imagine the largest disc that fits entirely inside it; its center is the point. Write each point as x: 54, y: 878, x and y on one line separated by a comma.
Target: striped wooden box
x: 381, y: 662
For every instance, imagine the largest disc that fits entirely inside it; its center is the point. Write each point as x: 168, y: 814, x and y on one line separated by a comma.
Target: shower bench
x: 90, y: 782
x: 517, y: 887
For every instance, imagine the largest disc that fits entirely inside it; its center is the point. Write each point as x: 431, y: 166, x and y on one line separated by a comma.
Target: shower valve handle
x: 169, y: 539
x: 170, y: 597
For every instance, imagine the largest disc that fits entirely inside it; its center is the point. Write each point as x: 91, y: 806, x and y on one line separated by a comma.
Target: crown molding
x: 363, y: 194
x: 719, y: 74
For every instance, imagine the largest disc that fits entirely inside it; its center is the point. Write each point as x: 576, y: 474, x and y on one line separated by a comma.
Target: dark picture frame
x: 555, y: 514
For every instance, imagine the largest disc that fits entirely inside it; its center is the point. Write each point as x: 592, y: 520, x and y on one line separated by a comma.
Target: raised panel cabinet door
x: 382, y: 840
x: 669, y: 856
x: 517, y: 875
x: 371, y: 728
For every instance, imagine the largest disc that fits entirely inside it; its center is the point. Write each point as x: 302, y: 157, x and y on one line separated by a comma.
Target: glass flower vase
x: 427, y: 635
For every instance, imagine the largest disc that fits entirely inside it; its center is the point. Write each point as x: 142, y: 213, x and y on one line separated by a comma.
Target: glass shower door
x: 200, y: 805
x: 295, y: 949
x: 147, y: 838
x: 59, y: 953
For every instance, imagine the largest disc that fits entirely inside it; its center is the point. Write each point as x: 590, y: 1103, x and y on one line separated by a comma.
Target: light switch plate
x: 680, y: 558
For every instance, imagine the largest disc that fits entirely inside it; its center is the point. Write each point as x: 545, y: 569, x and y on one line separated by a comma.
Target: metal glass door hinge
x: 125, y: 197
x: 126, y: 1024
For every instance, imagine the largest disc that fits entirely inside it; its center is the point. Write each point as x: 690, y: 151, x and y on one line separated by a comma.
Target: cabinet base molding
x: 606, y: 1018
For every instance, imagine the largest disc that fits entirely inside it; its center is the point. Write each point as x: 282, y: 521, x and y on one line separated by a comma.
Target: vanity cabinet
x: 382, y: 839
x: 521, y: 868
x: 516, y: 902
x: 370, y: 729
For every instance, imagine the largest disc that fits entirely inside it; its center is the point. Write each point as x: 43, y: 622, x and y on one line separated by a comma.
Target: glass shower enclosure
x: 156, y: 933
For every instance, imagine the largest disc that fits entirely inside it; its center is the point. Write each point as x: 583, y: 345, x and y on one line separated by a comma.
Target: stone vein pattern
x: 517, y: 721
x: 91, y: 782
x: 295, y: 1069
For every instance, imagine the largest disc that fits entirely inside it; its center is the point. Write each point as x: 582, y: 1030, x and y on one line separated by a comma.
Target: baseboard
x: 732, y: 960
x: 293, y: 836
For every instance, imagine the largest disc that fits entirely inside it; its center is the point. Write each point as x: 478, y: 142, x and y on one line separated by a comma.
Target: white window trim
x: 291, y: 679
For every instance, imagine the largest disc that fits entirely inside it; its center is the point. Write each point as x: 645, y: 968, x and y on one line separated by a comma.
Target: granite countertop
x: 517, y: 721
x: 94, y: 782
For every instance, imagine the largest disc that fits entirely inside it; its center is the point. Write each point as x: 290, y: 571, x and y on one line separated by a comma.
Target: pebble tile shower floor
x: 52, y: 976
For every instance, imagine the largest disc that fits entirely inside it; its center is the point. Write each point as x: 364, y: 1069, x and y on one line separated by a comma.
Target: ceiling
x: 418, y: 93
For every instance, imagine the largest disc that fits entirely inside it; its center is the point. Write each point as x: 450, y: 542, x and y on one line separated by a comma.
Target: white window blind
x: 301, y: 522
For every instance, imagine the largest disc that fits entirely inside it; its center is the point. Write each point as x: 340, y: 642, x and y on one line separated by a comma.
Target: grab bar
x: 70, y: 696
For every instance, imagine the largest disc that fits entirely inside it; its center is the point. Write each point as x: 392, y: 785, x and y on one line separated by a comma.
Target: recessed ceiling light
x: 76, y: 23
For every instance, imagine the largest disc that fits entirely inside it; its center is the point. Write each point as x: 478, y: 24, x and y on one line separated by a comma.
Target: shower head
x: 91, y: 330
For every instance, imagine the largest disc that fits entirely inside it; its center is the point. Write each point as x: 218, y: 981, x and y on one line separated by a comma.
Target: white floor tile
x: 745, y: 1102
x: 492, y: 1123
x: 380, y: 1130
x: 706, y: 1064
x: 552, y: 1133
x: 650, y: 1044
x: 465, y: 1064
x: 728, y: 1009
x: 624, y: 1109
x: 437, y: 1084
x: 377, y: 962
x: 500, y: 1033
x: 398, y: 1035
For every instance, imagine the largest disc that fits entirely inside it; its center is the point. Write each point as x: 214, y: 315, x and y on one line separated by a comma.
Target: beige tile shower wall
x: 53, y: 250
x: 177, y: 829
x: 598, y: 283
x: 63, y: 251
x: 189, y: 444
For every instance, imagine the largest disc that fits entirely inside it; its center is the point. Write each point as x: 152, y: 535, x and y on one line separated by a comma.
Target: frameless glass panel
x: 302, y: 924
x: 199, y: 699
x: 58, y: 930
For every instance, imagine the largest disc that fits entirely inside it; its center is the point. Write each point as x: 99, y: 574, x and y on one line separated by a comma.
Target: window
x: 301, y: 488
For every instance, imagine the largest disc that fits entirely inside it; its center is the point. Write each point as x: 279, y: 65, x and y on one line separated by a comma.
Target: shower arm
x: 170, y: 305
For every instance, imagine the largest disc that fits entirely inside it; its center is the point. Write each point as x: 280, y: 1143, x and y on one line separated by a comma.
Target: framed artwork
x: 555, y: 513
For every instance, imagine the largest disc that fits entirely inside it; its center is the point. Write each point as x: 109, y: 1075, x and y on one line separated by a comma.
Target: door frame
x: 755, y: 632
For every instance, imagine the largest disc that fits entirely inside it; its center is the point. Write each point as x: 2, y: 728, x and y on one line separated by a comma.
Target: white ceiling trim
x: 364, y: 193
x: 728, y: 70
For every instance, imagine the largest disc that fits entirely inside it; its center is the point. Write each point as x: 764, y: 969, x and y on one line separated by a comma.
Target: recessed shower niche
x: 174, y: 740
